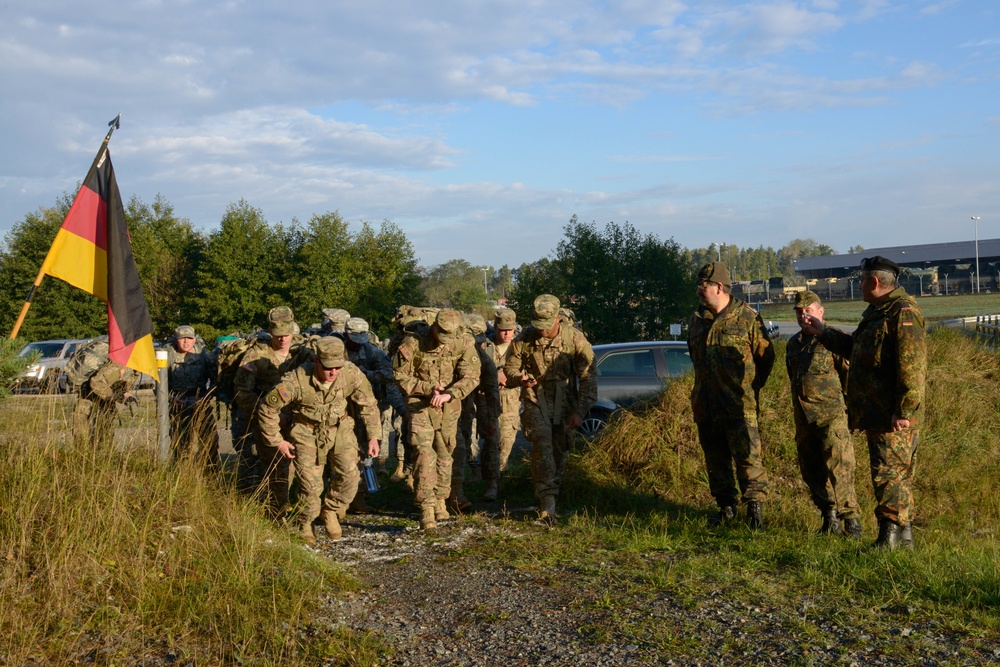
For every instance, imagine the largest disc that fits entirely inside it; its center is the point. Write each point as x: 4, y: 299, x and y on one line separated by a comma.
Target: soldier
x: 334, y: 321
x: 435, y: 370
x: 482, y: 407
x: 553, y: 364
x: 823, y: 442
x: 96, y: 408
x: 190, y: 373
x: 260, y: 370
x: 885, y: 396
x: 377, y: 368
x: 317, y: 397
x: 504, y: 326
x: 732, y: 358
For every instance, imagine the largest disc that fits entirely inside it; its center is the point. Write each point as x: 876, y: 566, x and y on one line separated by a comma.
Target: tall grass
x: 103, y: 553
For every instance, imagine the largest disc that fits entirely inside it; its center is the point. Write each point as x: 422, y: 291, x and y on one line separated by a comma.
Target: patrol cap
x: 449, y: 323
x: 506, y: 320
x: 330, y: 352
x: 715, y: 272
x: 879, y: 263
x: 401, y: 314
x: 184, y: 331
x: 806, y: 299
x: 356, y: 329
x: 336, y: 318
x: 282, y: 321
x: 476, y: 324
x: 546, y: 311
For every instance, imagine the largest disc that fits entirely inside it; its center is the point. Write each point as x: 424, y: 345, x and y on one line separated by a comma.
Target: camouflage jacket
x: 818, y: 379
x: 377, y: 367
x: 318, y: 408
x: 189, y: 374
x: 420, y: 364
x: 563, y: 366
x: 260, y: 371
x: 888, y: 354
x: 510, y: 397
x: 110, y: 382
x: 732, y: 358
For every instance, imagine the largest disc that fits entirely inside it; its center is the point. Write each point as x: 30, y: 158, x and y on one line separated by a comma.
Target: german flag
x: 93, y: 251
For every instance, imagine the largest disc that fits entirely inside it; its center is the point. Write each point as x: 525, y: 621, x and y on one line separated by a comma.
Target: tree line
x: 621, y: 284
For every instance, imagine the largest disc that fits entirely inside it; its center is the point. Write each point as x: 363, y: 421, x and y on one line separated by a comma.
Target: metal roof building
x: 913, y: 256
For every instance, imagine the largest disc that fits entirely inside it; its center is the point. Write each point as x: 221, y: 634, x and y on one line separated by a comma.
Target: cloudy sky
x: 481, y: 127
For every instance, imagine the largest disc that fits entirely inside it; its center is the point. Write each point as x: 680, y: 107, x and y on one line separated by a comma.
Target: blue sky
x: 480, y: 128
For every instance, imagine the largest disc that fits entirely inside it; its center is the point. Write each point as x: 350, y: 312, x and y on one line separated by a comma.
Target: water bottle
x: 369, y: 474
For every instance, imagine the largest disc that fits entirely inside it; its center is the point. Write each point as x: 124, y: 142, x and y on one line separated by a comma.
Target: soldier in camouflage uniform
x: 96, y: 410
x: 261, y: 368
x: 504, y: 328
x: 190, y: 374
x: 885, y: 395
x: 435, y: 371
x: 823, y: 442
x: 732, y: 358
x: 480, y: 409
x: 553, y: 364
x: 334, y: 321
x: 319, y: 398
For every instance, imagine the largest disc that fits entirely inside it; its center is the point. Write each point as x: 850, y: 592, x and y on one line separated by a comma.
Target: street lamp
x: 975, y: 218
x: 485, y: 288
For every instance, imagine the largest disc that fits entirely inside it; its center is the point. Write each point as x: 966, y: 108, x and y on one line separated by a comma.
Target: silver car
x: 43, y: 375
x: 628, y: 372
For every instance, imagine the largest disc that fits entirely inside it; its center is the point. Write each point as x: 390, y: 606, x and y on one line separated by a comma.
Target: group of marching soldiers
x: 444, y: 389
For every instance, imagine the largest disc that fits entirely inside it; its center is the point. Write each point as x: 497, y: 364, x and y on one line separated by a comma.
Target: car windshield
x: 45, y: 350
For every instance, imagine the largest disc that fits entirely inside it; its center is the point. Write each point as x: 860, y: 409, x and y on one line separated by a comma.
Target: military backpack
x: 86, y: 360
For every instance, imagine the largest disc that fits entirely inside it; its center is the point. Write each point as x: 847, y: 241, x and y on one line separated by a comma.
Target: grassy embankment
x: 639, y: 534
x: 106, y: 554
x: 933, y: 307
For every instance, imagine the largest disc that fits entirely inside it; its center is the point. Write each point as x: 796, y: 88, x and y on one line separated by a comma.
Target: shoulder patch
x: 404, y: 352
x: 249, y: 367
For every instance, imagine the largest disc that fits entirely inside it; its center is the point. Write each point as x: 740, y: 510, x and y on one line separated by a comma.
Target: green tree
x: 323, y: 267
x: 454, y: 284
x: 243, y: 273
x: 58, y: 310
x: 384, y: 274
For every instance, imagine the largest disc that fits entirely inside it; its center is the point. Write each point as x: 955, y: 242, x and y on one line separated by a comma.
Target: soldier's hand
x: 899, y: 424
x: 501, y: 378
x: 528, y: 381
x: 575, y: 421
x: 287, y: 449
x: 812, y: 325
x: 373, y: 448
x: 438, y: 400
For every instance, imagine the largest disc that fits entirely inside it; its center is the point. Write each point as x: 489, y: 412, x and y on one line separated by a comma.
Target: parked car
x: 628, y: 372
x: 43, y: 375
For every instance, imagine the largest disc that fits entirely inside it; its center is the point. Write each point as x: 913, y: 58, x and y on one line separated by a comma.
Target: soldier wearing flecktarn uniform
x: 435, y: 370
x: 885, y: 394
x: 823, y: 442
x: 190, y: 375
x: 260, y: 370
x: 732, y: 358
x: 553, y: 364
x: 317, y: 399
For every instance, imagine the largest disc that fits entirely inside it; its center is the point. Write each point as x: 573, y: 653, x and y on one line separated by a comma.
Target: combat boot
x: 428, y: 518
x: 831, y: 524
x: 440, y: 510
x: 547, y: 508
x: 307, y: 534
x: 852, y: 529
x: 358, y: 505
x: 725, y: 514
x: 398, y: 475
x: 491, y: 490
x: 333, y: 529
x: 458, y: 502
x: 888, y: 535
x: 906, y: 536
x: 755, y: 515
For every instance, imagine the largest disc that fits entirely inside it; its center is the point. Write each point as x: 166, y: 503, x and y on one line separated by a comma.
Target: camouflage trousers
x: 193, y: 431
x: 489, y: 452
x: 509, y: 425
x: 246, y: 460
x: 336, y: 450
x: 273, y: 475
x: 892, y: 457
x: 731, y: 444
x: 94, y: 421
x: 550, y: 443
x: 826, y: 461
x: 433, y: 434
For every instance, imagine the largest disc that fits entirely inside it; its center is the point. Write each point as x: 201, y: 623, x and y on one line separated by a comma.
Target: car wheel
x: 594, y: 423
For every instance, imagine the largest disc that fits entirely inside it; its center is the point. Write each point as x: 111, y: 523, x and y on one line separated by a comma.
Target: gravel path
x: 435, y: 608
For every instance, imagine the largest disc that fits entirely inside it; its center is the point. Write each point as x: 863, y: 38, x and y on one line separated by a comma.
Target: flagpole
x: 112, y: 126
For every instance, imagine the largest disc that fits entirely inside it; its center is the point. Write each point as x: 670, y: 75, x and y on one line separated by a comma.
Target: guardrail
x: 988, y: 328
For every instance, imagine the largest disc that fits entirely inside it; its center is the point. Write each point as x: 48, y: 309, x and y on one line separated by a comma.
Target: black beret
x: 879, y: 263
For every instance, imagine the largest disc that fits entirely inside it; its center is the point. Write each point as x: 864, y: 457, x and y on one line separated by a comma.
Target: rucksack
x: 86, y: 360
x: 229, y: 353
